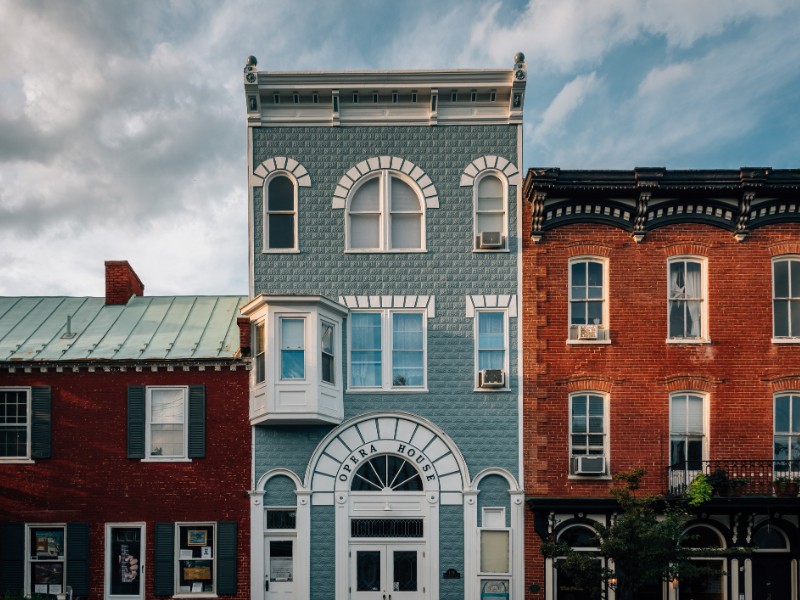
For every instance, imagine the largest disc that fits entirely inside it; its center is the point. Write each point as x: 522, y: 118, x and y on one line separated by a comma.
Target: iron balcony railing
x: 738, y: 477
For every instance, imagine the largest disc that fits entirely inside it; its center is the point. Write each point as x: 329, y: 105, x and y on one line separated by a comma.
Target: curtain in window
x: 491, y: 340
x: 685, y: 292
x: 686, y: 429
x: 365, y: 356
x: 407, y: 350
x: 693, y: 290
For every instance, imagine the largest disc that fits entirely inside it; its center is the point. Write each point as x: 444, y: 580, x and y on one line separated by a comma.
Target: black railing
x: 737, y: 477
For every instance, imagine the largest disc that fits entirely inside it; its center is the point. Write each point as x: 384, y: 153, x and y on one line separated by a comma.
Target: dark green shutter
x: 136, y: 416
x: 41, y: 422
x: 12, y: 559
x: 164, y: 579
x: 226, y: 557
x: 197, y: 421
x: 78, y: 558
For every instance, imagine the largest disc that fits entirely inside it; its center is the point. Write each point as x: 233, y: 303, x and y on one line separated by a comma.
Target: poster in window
x: 124, y: 558
x: 197, y: 537
x: 47, y: 544
x: 48, y: 578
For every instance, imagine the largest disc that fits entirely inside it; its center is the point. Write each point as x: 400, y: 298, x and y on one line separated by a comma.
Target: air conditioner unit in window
x: 590, y: 465
x: 492, y: 378
x: 490, y: 239
x: 587, y: 332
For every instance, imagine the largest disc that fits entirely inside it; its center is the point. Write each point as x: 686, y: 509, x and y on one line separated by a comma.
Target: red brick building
x: 124, y: 444
x: 662, y: 330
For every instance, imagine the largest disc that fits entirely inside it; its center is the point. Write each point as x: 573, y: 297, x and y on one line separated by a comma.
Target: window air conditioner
x: 490, y: 239
x: 590, y: 465
x: 492, y: 378
x: 587, y: 332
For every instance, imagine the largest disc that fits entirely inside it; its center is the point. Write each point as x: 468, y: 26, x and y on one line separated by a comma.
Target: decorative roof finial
x: 518, y: 57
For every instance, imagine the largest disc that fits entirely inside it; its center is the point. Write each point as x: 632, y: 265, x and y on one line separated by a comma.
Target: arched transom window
x: 280, y: 231
x: 385, y: 214
x: 386, y: 473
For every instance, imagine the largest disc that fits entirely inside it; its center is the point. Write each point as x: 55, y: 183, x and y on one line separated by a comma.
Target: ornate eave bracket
x: 640, y: 220
x: 743, y: 217
x: 537, y: 211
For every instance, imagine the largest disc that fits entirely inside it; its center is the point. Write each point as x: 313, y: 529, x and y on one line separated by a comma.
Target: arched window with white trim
x: 490, y: 220
x: 280, y: 213
x: 385, y: 213
x: 710, y: 584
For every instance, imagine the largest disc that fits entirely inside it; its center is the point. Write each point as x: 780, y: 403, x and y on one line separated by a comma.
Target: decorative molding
x: 590, y: 383
x: 687, y: 249
x: 490, y: 162
x: 379, y: 163
x: 477, y: 301
x: 428, y: 303
x: 785, y: 384
x: 587, y: 249
x: 280, y: 164
x: 690, y: 382
x: 785, y: 247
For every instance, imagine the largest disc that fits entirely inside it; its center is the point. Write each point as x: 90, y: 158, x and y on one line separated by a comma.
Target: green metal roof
x: 146, y: 328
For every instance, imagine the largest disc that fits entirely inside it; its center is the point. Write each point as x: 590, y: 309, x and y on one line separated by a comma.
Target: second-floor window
x: 588, y: 433
x: 280, y: 228
x: 491, y: 346
x: 490, y: 213
x: 587, y: 299
x: 786, y: 297
x: 293, y: 352
x: 787, y: 432
x: 327, y: 351
x: 687, y: 431
x: 387, y: 349
x: 686, y: 304
x: 166, y: 422
x: 14, y: 423
x: 260, y: 351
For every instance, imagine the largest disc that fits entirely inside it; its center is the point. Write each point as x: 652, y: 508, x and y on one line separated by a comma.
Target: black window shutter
x: 41, y: 423
x: 197, y: 421
x: 226, y: 557
x: 164, y: 579
x: 78, y: 558
x: 136, y: 421
x: 12, y: 559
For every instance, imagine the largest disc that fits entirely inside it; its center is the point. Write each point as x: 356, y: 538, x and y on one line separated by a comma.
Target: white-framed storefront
x: 406, y: 444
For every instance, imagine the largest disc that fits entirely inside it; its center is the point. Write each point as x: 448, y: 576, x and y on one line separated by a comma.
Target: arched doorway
x: 771, y: 564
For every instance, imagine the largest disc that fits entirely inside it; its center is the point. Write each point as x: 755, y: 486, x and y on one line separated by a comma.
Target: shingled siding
x: 482, y: 424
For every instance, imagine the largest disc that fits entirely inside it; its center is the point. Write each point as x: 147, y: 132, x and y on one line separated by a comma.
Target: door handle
x: 266, y: 583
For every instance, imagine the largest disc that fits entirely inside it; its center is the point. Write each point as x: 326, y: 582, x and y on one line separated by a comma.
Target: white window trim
x: 507, y: 350
x: 384, y: 213
x: 279, y: 318
x: 606, y: 436
x: 775, y: 433
x: 386, y: 353
x: 148, y: 425
x: 337, y: 369
x: 214, y: 566
x: 605, y: 325
x: 475, y: 233
x: 28, y: 424
x: 259, y: 351
x: 706, y: 421
x: 500, y: 574
x: 551, y: 564
x: 295, y: 213
x: 704, y: 329
x: 29, y: 562
x: 107, y: 560
x: 786, y: 339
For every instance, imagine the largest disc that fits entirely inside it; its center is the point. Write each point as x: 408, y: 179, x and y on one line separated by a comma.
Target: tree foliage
x: 644, y: 542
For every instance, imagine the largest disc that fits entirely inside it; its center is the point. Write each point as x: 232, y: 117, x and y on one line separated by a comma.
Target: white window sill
x: 490, y: 250
x: 491, y: 390
x: 17, y: 461
x: 573, y: 477
x: 280, y: 251
x: 422, y: 390
x: 688, y: 341
x: 786, y: 340
x: 166, y: 460
x: 197, y: 595
x: 380, y: 251
x: 588, y: 342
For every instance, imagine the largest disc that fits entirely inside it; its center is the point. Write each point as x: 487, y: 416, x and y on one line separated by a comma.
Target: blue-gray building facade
x: 384, y: 283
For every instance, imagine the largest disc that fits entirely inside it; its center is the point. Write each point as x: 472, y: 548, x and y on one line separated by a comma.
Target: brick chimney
x: 121, y: 282
x: 244, y: 335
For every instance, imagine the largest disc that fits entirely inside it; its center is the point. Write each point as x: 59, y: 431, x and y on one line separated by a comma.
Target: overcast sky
x: 122, y: 130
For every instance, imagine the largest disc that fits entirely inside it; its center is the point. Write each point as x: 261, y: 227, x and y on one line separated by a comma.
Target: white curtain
x: 693, y: 290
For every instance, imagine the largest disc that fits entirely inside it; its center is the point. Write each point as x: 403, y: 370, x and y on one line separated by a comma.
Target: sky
x: 122, y: 123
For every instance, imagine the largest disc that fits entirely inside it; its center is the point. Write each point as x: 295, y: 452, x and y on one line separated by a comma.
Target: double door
x: 387, y: 571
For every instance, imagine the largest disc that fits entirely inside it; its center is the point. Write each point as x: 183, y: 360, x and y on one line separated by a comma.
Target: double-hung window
x: 490, y: 213
x: 687, y: 304
x: 786, y: 298
x: 327, y: 352
x: 588, y: 308
x: 47, y: 559
x: 491, y: 348
x: 385, y: 213
x: 15, y: 421
x: 787, y: 432
x: 687, y: 431
x: 166, y: 422
x: 280, y: 215
x: 387, y: 349
x: 260, y: 352
x: 293, y: 353
x: 196, y: 564
x: 588, y: 433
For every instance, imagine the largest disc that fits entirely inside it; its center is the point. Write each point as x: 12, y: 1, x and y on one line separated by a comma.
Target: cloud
x: 572, y: 95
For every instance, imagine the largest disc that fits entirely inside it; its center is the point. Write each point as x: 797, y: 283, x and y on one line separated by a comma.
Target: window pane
x: 281, y: 231
x: 406, y: 231
x: 281, y: 194
x: 404, y: 570
x: 676, y: 318
x: 366, y: 197
x: 594, y: 312
x: 678, y: 452
x: 491, y: 359
x: 491, y: 335
x: 490, y: 187
x: 795, y: 414
x: 327, y: 356
x: 781, y: 447
x: 578, y: 277
x: 693, y: 280
x: 694, y: 420
x: 403, y: 198
x: 13, y: 423
x: 407, y: 350
x: 781, y: 310
x: 781, y: 279
x: 782, y: 413
x: 365, y: 358
x: 490, y: 204
x: 166, y: 440
x: 490, y: 222
x: 364, y: 231
x: 292, y: 348
x: 368, y: 571
x: 167, y: 406
x: 794, y: 276
x: 577, y: 313
x: 595, y: 274
x: 494, y: 552
x: 676, y: 280
x: 794, y: 310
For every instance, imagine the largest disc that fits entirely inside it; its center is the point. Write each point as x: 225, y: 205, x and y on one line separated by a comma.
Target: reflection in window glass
x: 786, y: 297
x: 293, y: 349
x: 491, y: 340
x: 280, y: 213
x: 326, y: 350
x: 167, y: 422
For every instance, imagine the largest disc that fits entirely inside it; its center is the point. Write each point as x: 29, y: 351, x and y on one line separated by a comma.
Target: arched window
x: 709, y: 585
x: 385, y: 214
x: 386, y: 473
x: 769, y: 538
x: 490, y: 213
x: 280, y: 215
x: 581, y: 538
